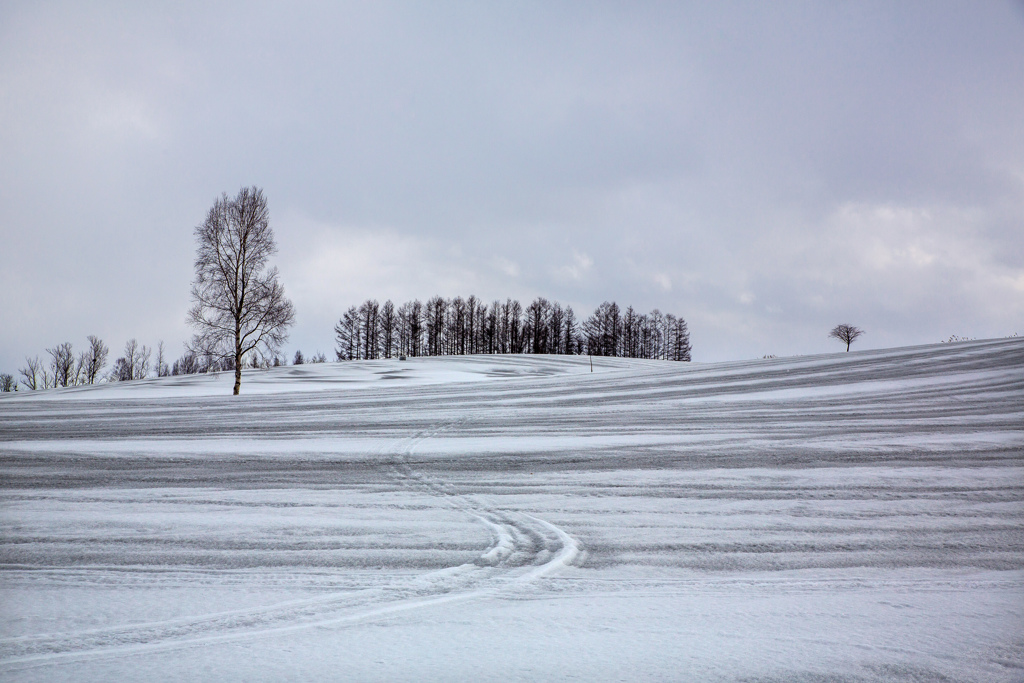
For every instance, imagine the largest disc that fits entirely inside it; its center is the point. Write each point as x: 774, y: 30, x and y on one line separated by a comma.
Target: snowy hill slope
x: 853, y: 515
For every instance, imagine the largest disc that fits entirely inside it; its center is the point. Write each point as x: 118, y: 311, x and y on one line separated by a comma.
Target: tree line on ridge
x: 461, y: 326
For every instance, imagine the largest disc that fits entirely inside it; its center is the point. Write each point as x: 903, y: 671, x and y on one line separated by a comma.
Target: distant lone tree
x: 238, y: 304
x: 846, y: 333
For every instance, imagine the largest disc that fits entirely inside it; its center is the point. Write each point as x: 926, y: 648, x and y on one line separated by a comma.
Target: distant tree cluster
x: 461, y: 326
x: 64, y: 368
x: 192, y: 363
x: 7, y: 382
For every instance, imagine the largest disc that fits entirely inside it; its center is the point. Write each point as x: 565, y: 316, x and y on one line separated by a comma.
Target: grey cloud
x: 700, y: 157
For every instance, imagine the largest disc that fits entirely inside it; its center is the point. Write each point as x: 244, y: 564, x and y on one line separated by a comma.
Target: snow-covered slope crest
x: 825, y: 373
x: 347, y: 375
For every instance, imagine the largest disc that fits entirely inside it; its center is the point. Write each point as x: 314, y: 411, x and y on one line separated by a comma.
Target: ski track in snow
x: 519, y: 541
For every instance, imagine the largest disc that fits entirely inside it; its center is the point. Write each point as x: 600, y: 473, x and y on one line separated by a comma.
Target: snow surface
x: 849, y: 517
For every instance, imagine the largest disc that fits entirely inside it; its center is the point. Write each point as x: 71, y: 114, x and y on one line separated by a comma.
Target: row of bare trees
x: 461, y: 326
x: 612, y: 332
x: 64, y: 368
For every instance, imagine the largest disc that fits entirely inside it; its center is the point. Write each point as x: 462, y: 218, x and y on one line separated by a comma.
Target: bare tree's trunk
x: 238, y: 360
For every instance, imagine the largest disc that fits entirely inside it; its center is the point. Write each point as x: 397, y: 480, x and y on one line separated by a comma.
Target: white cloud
x: 578, y: 268
x: 905, y: 243
x: 510, y: 268
x: 114, y: 114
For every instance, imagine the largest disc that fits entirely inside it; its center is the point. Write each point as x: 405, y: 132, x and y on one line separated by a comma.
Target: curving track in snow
x: 523, y: 548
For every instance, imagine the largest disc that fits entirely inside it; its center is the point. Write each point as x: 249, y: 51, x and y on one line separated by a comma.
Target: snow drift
x: 843, y: 517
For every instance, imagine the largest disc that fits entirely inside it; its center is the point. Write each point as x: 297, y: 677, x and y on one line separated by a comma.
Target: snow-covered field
x: 849, y: 517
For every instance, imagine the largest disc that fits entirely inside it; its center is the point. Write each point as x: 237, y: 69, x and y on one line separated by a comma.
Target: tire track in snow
x: 524, y: 548
x: 520, y: 540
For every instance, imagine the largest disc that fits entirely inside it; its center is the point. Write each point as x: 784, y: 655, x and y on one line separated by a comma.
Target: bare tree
x: 457, y: 327
x: 515, y: 328
x: 369, y: 321
x: 134, y: 364
x: 239, y: 304
x: 435, y: 314
x: 139, y: 357
x: 494, y: 328
x: 160, y: 365
x: 187, y: 365
x: 348, y: 333
x: 79, y: 370
x: 680, y: 340
x: 846, y: 333
x: 536, y: 327
x: 30, y: 374
x: 556, y: 319
x: 415, y: 328
x: 7, y: 383
x: 93, y: 360
x: 567, y: 342
x: 121, y: 372
x: 603, y: 330
x: 472, y: 323
x: 62, y: 363
x: 388, y: 322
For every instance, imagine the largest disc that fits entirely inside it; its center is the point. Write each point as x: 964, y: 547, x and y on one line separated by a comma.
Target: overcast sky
x: 765, y: 170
